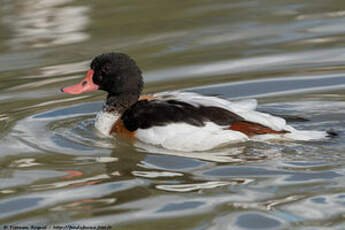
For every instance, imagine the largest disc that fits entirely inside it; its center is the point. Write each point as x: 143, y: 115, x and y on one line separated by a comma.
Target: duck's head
x: 115, y: 73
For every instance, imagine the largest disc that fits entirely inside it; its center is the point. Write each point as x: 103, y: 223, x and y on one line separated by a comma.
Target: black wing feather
x: 145, y: 114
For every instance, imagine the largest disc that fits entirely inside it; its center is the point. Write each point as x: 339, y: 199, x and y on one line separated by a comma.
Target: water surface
x: 56, y: 168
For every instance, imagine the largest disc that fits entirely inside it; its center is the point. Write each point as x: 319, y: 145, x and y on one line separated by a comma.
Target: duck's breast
x: 105, y: 121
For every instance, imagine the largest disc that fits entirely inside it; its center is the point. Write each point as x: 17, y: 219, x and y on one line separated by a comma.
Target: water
x: 56, y: 169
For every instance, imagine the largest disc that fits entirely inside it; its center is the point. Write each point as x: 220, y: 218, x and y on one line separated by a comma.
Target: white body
x: 186, y: 137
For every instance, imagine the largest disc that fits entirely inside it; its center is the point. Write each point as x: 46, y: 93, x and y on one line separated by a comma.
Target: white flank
x: 105, y: 121
x: 185, y: 137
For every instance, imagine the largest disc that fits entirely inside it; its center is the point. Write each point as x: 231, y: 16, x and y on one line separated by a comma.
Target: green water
x: 55, y: 169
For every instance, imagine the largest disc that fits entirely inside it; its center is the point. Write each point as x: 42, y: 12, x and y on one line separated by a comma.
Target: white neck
x: 105, y: 121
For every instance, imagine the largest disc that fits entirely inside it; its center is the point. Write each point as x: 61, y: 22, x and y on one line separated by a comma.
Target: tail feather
x: 332, y: 133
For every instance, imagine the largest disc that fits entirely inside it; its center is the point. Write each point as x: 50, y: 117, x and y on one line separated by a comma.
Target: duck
x: 175, y: 120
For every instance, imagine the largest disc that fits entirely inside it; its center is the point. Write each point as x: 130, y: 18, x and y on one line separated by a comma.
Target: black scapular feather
x: 145, y: 114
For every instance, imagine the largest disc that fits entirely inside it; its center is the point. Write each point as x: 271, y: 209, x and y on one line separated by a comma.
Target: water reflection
x: 201, y: 186
x: 45, y: 23
x: 55, y: 168
x: 277, y: 86
x: 318, y: 207
x: 279, y: 62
